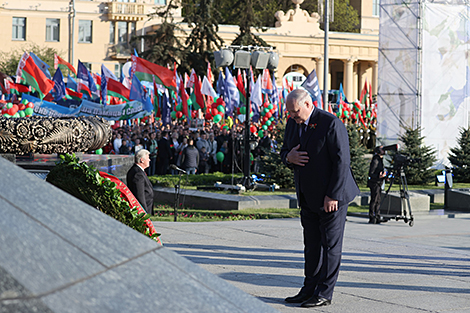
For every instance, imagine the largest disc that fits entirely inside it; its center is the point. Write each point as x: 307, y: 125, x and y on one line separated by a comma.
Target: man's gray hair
x: 140, y: 154
x: 299, y: 96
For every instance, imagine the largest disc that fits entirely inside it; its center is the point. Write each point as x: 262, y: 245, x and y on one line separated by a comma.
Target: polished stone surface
x: 58, y: 254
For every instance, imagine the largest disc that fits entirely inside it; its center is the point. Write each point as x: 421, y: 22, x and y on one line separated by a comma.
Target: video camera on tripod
x: 400, y: 162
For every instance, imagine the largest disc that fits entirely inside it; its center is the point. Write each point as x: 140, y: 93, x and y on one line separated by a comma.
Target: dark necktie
x: 303, y: 129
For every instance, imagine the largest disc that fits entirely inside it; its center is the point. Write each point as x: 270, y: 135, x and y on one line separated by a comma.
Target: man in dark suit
x: 316, y: 146
x: 164, y: 154
x: 138, y: 182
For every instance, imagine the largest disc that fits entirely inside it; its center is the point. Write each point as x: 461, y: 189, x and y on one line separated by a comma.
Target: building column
x: 319, y: 69
x: 355, y: 81
x: 348, y: 78
x: 375, y: 78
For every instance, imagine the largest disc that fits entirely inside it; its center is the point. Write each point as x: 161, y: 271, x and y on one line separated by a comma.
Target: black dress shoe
x: 299, y: 298
x: 315, y: 301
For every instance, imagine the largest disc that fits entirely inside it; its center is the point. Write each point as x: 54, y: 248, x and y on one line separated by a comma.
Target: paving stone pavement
x: 390, y: 267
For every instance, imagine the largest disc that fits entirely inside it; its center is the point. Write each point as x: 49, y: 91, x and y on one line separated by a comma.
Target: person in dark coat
x: 376, y: 178
x: 138, y: 182
x: 316, y: 146
x: 190, y: 158
x: 164, y: 154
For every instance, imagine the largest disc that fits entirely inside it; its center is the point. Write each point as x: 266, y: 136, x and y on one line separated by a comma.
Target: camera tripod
x: 404, y: 196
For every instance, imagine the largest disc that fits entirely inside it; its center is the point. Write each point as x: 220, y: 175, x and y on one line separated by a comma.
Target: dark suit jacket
x: 141, y: 187
x: 328, y: 170
x: 164, y: 149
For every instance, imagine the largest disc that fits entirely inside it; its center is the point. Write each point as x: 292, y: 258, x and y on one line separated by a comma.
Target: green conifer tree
x: 202, y: 17
x: 164, y: 47
x: 459, y: 157
x: 359, y: 165
x: 418, y: 172
x: 272, y: 165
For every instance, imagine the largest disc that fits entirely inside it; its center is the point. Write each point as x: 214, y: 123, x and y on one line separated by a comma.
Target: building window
x: 117, y: 70
x: 85, y: 30
x: 131, y: 29
x: 122, y: 32
x: 19, y: 28
x: 52, y: 29
x: 375, y: 7
x: 87, y: 65
x: 112, y: 33
x: 162, y: 2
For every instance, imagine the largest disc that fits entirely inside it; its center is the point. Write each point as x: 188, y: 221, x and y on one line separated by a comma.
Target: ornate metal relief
x: 53, y: 135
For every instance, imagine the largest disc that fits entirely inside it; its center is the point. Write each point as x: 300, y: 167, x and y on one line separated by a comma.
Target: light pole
x: 72, y: 37
x: 260, y: 58
x: 326, y: 25
x: 142, y: 37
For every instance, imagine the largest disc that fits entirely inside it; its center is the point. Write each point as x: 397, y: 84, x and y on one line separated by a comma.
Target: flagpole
x: 246, y: 161
x: 326, y: 61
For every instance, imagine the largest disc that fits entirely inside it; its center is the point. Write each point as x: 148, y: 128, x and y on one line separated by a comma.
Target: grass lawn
x: 363, y: 188
x: 165, y: 213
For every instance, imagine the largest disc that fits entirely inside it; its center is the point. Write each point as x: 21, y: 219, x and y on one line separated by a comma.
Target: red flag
x: 144, y: 70
x: 209, y: 73
x: 73, y: 94
x: 15, y: 88
x: 116, y: 89
x: 192, y: 79
x: 184, y: 100
x: 240, y: 86
x: 210, y: 99
x: 58, y: 60
x: 32, y: 75
x: 363, y: 92
x: 196, y: 96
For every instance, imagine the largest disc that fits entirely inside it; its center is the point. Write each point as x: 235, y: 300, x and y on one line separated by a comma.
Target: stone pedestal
x: 458, y: 200
x: 394, y: 205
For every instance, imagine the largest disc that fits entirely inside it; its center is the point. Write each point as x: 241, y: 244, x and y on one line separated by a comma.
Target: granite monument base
x: 59, y: 254
x: 458, y: 200
x: 393, y: 204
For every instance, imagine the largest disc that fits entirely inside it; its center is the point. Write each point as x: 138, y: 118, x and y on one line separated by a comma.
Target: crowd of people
x: 199, y: 150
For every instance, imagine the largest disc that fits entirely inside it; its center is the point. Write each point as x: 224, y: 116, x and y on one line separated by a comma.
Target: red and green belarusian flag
x: 144, y: 70
x: 241, y: 88
x: 196, y: 96
x: 72, y: 94
x: 116, y: 89
x: 15, y: 88
x: 184, y: 101
x: 59, y: 61
x: 29, y: 73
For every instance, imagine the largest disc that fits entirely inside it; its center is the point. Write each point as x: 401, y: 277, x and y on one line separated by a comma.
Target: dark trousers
x: 323, y: 243
x: 374, y: 204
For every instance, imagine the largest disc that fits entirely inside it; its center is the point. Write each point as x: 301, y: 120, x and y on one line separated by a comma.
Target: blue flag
x: 43, y: 66
x: 59, y: 86
x: 275, y: 98
x: 311, y: 85
x: 220, y: 84
x: 104, y: 85
x: 138, y: 93
x: 231, y: 94
x: 341, y: 94
x: 71, y: 83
